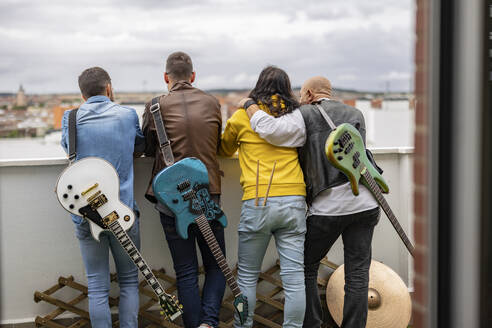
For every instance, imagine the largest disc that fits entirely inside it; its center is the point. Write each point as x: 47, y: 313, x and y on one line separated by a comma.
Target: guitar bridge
x: 349, y: 148
x: 183, y: 185
x: 344, y: 139
x: 90, y: 199
x: 110, y: 218
x: 98, y: 201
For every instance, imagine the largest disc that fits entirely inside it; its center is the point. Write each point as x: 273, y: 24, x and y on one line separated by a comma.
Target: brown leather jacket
x: 193, y: 125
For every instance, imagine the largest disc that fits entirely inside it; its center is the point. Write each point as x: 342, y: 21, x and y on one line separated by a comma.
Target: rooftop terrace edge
x: 49, y: 161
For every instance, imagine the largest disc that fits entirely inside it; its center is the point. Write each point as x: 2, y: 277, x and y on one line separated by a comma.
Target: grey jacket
x: 319, y: 174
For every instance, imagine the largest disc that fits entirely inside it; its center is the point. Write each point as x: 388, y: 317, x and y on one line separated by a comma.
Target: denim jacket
x: 109, y: 131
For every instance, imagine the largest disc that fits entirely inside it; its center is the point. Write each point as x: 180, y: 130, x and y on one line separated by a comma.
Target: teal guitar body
x: 169, y: 189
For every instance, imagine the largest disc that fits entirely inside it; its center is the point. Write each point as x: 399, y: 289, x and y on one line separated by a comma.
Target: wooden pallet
x: 67, y: 306
x: 268, y: 311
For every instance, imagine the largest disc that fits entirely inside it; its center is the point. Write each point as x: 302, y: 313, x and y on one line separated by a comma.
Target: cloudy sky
x: 361, y: 44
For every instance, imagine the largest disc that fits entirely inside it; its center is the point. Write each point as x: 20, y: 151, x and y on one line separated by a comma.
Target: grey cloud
x: 47, y: 44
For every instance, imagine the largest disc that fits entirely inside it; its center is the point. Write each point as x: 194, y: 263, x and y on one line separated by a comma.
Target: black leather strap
x: 72, y: 135
x: 248, y: 103
x: 164, y: 143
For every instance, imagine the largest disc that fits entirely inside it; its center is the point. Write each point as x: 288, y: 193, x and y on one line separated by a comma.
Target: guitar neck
x: 376, y: 191
x: 137, y: 258
x: 212, y: 243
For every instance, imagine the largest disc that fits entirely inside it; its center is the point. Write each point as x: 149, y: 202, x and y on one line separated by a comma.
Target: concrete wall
x: 37, y: 243
x: 391, y: 126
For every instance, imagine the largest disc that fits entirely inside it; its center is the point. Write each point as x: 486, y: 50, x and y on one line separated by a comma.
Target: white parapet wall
x: 37, y: 243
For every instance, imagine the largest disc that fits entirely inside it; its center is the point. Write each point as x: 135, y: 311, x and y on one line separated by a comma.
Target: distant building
x: 58, y: 115
x: 350, y: 102
x: 21, y: 99
x: 377, y: 103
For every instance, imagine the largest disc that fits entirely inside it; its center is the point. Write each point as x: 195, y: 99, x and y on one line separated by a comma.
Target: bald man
x: 333, y: 209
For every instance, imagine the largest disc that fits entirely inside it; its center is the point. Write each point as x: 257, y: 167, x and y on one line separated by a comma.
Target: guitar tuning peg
x: 181, y: 306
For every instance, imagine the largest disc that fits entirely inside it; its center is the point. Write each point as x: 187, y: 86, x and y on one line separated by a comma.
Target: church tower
x: 20, y: 99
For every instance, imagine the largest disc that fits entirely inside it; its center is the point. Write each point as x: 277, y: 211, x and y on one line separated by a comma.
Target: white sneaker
x: 204, y: 325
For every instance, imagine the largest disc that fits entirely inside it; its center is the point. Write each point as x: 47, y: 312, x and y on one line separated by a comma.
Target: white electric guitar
x: 92, y: 184
x: 90, y: 188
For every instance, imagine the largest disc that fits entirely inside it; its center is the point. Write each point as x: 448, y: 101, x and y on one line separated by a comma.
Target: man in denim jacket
x: 109, y: 131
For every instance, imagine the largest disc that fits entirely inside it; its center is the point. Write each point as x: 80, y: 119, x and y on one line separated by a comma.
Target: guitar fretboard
x: 209, y: 237
x: 376, y: 191
x: 137, y: 258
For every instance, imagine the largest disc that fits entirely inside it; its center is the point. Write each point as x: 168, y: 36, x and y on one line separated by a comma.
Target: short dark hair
x: 93, y: 81
x: 179, y: 66
x: 274, y: 81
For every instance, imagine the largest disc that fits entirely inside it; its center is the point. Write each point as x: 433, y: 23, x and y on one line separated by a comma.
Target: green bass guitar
x: 346, y: 151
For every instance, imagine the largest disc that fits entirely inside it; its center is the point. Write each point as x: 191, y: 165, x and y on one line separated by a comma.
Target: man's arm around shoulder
x: 287, y: 130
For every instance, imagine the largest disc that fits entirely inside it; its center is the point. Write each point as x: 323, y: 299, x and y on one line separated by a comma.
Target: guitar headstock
x: 241, y: 306
x: 171, y: 309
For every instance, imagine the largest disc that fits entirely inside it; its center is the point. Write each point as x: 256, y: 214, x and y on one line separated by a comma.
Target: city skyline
x: 358, y: 45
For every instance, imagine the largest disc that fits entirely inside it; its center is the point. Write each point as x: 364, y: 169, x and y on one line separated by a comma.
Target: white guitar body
x: 93, y: 181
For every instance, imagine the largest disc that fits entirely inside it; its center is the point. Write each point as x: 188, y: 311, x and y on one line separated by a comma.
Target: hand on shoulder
x: 251, y: 107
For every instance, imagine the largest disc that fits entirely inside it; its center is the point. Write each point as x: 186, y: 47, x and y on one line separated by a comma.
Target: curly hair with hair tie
x: 273, y: 92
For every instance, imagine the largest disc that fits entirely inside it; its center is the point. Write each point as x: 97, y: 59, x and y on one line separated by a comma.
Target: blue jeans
x: 284, y: 218
x: 183, y: 251
x: 96, y: 260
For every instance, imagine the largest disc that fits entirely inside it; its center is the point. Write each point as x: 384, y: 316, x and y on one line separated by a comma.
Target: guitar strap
x: 72, y: 135
x: 326, y: 117
x: 164, y: 143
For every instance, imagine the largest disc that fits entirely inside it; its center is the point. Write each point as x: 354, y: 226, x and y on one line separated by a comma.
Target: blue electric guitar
x: 183, y: 188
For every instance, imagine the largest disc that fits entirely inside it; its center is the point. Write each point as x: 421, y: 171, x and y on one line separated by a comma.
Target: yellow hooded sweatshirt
x: 288, y: 179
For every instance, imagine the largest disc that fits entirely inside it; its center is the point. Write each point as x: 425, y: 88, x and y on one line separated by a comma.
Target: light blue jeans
x: 96, y: 260
x: 284, y: 218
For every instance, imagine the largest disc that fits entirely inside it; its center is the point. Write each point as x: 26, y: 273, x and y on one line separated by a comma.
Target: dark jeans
x: 322, y: 232
x: 183, y: 251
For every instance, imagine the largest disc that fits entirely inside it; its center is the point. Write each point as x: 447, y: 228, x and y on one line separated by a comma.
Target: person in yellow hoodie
x: 284, y: 214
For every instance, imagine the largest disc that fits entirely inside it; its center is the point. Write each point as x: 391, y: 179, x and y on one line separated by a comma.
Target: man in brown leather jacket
x: 192, y: 121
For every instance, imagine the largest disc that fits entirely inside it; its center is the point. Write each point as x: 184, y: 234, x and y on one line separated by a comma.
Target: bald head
x: 314, y: 89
